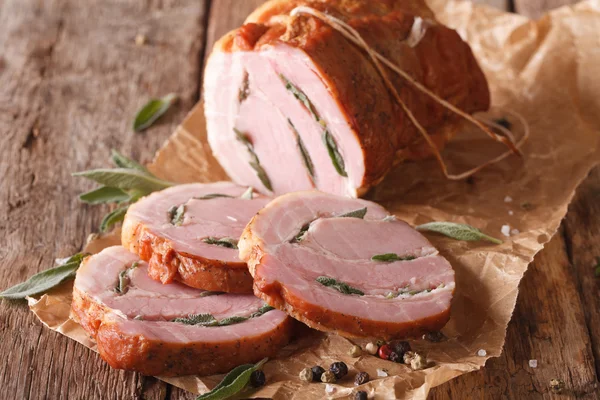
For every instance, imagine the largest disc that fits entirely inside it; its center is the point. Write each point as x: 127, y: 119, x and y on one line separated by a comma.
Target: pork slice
x: 373, y: 276
x: 132, y: 318
x: 293, y: 105
x: 198, y: 249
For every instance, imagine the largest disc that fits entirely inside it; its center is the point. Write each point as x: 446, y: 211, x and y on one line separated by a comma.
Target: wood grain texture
x: 71, y: 79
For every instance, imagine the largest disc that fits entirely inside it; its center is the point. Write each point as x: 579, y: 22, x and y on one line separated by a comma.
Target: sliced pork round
x: 189, y: 233
x: 142, y: 325
x: 291, y: 104
x: 346, y: 266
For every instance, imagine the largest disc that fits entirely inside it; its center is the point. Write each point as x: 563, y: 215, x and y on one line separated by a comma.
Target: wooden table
x: 72, y: 77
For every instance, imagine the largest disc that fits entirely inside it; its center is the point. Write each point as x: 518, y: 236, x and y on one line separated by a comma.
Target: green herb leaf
x: 210, y: 293
x: 124, y: 279
x: 212, y: 196
x: 341, y: 287
x: 248, y: 194
x: 125, y: 179
x: 391, y: 257
x: 104, y: 195
x: 244, y: 91
x: 152, y: 111
x: 124, y: 162
x: 197, y: 319
x: 457, y: 231
x: 233, y: 383
x: 360, y: 213
x: 45, y: 280
x: 303, y: 151
x: 334, y: 154
x: 231, y: 320
x: 224, y: 242
x: 299, y: 94
x: 254, y: 161
x: 264, y: 309
x: 300, y: 235
x: 176, y: 214
x: 113, y: 217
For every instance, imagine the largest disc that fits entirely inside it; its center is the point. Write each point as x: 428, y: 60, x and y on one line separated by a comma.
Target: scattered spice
x: 533, y: 363
x: 527, y: 206
x: 395, y: 357
x: 505, y: 230
x: 329, y: 388
x: 409, y: 355
x: 328, y: 377
x: 258, y: 379
x: 317, y: 372
x: 514, y: 232
x: 361, y: 395
x: 435, y: 337
x: 400, y: 347
x: 418, y: 362
x: 306, y: 375
x: 481, y: 353
x: 508, y: 199
x: 355, y: 351
x: 384, y: 352
x: 361, y: 378
x: 371, y: 348
x: 382, y: 372
x: 380, y: 342
x: 503, y: 122
x: 140, y: 39
x: 339, y: 369
x: 557, y: 385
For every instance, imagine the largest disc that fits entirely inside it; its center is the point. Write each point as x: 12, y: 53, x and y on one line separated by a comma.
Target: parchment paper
x: 549, y: 71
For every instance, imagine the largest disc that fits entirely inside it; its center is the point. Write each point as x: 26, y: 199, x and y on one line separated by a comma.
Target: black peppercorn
x: 361, y: 378
x: 362, y: 395
x: 395, y: 357
x: 258, y: 379
x: 339, y: 369
x: 434, y: 337
x: 317, y: 372
x: 400, y: 348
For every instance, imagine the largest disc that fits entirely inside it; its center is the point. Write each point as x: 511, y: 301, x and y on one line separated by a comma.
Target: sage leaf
x: 176, y: 215
x: 210, y: 293
x: 197, y: 319
x: 125, y: 179
x: 113, y: 217
x: 254, y: 161
x: 263, y: 310
x: 360, y: 213
x: 300, y: 96
x: 233, y: 383
x: 303, y: 151
x: 124, y: 162
x: 457, y: 231
x: 391, y: 257
x: 341, y: 287
x: 104, y: 195
x: 212, y: 196
x: 152, y: 111
x: 231, y: 321
x: 248, y: 194
x: 244, y: 90
x: 224, y: 242
x: 124, y: 279
x: 334, y: 153
x: 45, y: 280
x: 300, y: 235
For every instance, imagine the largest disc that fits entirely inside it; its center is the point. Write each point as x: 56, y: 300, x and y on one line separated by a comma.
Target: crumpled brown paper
x: 546, y: 70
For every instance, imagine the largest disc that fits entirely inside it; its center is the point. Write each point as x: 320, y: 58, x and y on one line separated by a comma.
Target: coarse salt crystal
x: 514, y: 232
x: 533, y: 363
x: 508, y: 199
x: 481, y: 353
x: 329, y: 388
x: 505, y: 230
x: 382, y: 373
x: 511, y: 212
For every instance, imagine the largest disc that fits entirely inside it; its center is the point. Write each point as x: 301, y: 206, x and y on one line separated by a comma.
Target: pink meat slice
x: 136, y: 326
x: 400, y: 298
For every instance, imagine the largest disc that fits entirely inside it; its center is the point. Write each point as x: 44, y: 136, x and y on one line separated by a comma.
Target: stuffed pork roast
x: 189, y: 233
x: 291, y: 104
x: 346, y: 266
x: 142, y: 325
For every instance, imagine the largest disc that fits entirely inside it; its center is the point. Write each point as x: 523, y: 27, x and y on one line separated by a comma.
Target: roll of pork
x: 189, y: 233
x: 291, y: 104
x: 144, y: 326
x: 313, y: 256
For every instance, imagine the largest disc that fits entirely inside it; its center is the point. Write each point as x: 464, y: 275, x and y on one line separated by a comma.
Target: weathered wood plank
x: 536, y: 8
x: 71, y: 78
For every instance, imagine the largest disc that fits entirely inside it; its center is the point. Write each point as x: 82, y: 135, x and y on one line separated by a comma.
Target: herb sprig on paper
x: 233, y: 383
x: 123, y: 186
x: 46, y: 280
x: 458, y: 231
